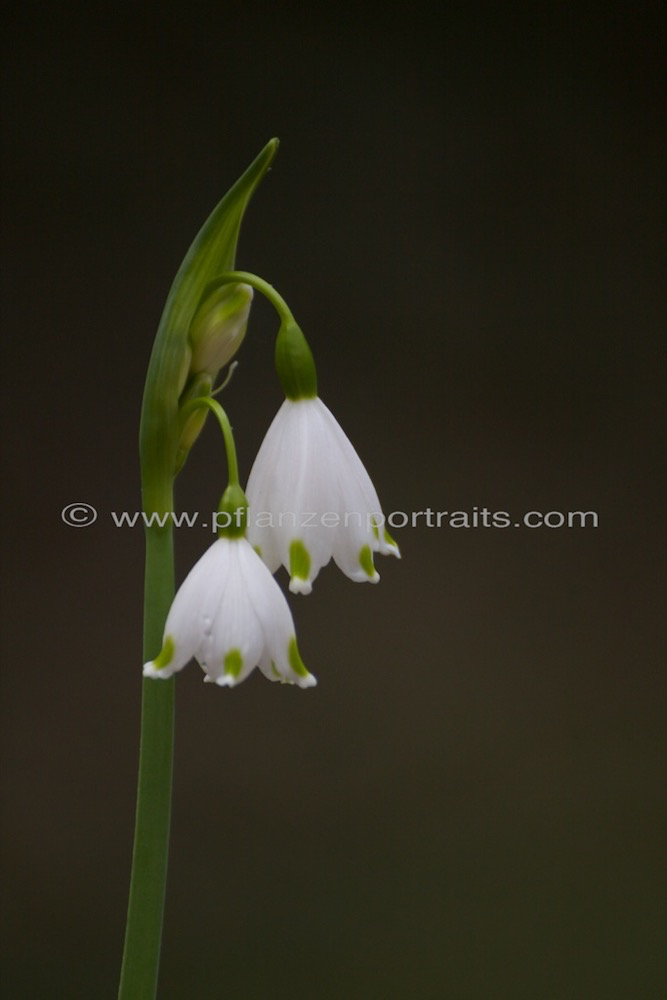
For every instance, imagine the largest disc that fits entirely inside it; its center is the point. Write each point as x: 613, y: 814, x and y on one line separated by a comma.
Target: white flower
x: 231, y: 615
x: 310, y: 498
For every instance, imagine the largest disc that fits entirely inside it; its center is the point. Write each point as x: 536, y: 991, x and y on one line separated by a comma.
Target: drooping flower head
x: 310, y: 496
x: 231, y: 616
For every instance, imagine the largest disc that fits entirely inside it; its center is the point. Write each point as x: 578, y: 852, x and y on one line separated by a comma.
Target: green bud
x: 294, y: 363
x: 198, y: 386
x: 211, y: 254
x: 218, y: 328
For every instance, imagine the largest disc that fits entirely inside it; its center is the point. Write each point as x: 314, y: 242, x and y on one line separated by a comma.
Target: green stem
x: 267, y: 290
x: 230, y: 448
x: 151, y: 839
x: 293, y: 357
x: 213, y: 249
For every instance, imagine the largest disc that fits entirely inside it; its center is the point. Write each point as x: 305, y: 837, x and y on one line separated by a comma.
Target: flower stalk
x: 294, y: 359
x: 143, y: 932
x: 212, y: 252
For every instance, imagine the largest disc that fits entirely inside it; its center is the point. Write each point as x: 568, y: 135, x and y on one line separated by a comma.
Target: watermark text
x: 81, y: 515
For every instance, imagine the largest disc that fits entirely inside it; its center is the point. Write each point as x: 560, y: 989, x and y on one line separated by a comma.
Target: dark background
x: 465, y: 216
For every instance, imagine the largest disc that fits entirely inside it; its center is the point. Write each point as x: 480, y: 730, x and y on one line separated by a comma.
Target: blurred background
x: 466, y: 217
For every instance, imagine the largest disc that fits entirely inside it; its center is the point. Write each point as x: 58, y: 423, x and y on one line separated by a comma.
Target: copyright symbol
x: 78, y: 515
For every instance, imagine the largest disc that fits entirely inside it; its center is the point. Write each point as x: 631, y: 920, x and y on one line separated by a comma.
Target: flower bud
x: 200, y: 385
x: 219, y: 327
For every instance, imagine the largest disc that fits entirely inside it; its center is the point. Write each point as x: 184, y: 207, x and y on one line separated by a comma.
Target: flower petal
x: 234, y: 643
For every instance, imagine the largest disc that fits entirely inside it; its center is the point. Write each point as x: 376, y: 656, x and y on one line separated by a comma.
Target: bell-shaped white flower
x: 310, y: 498
x: 231, y: 615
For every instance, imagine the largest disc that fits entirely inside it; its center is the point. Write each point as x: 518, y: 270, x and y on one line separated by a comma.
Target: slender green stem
x: 294, y: 359
x: 151, y: 840
x: 213, y: 250
x: 267, y: 290
x: 214, y: 406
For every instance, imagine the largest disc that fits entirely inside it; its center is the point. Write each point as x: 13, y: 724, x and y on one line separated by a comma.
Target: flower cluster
x: 311, y: 500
